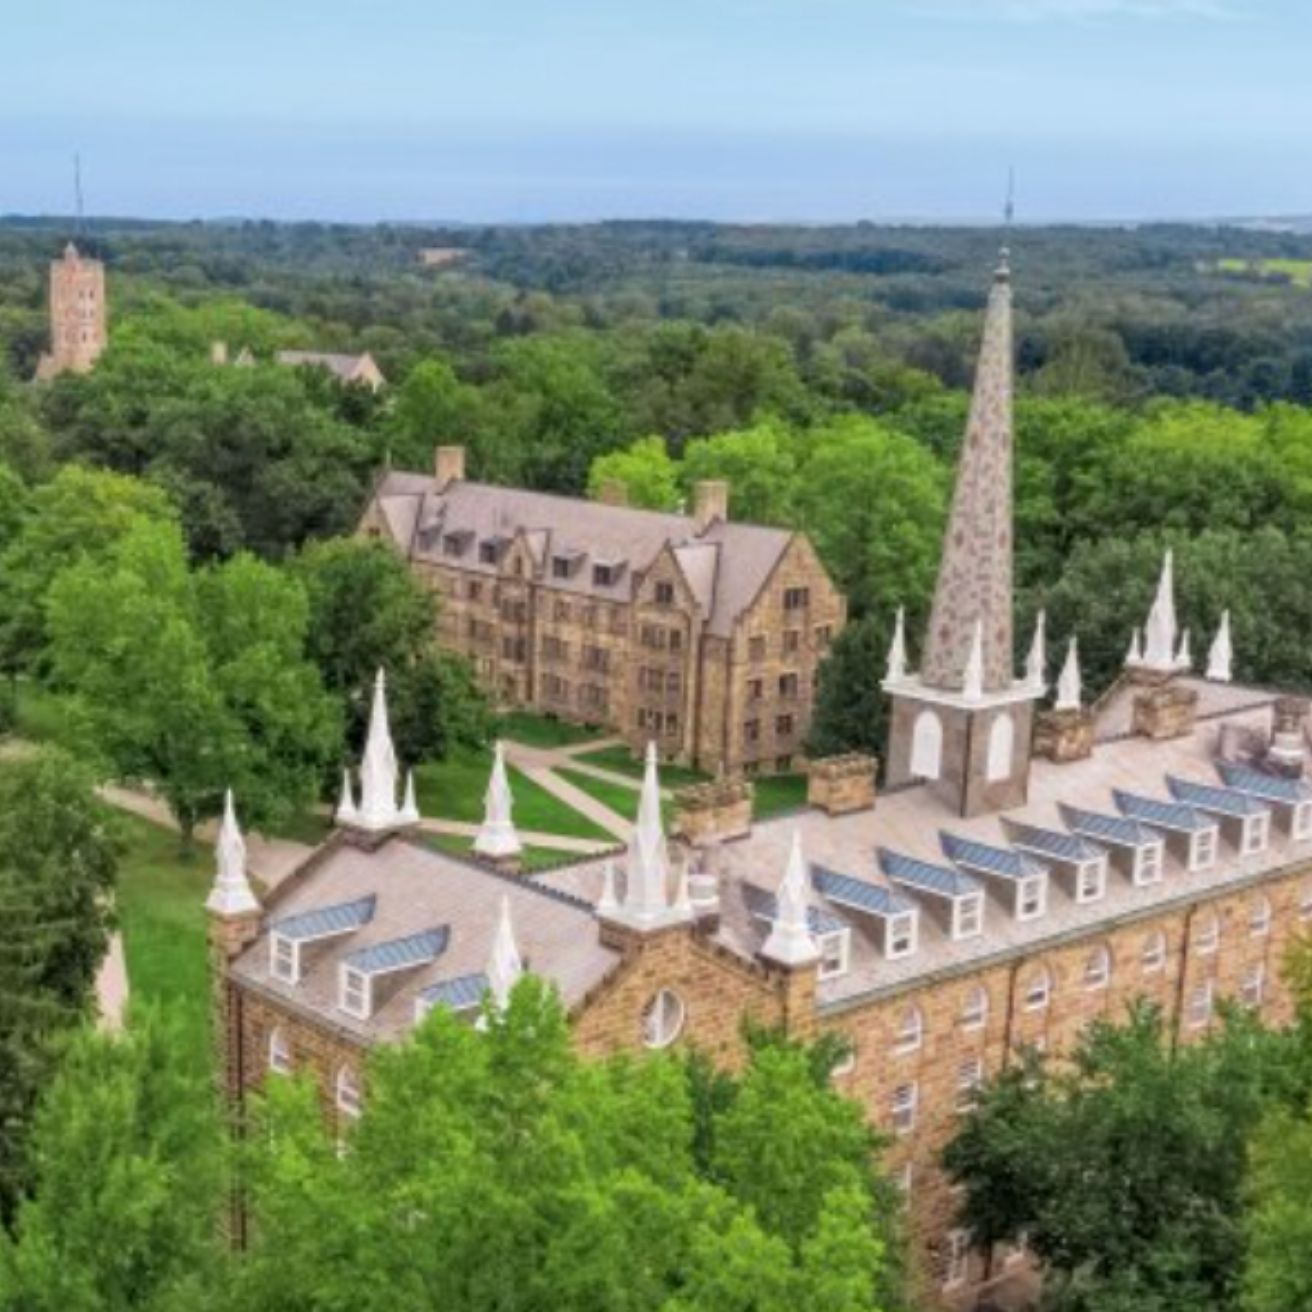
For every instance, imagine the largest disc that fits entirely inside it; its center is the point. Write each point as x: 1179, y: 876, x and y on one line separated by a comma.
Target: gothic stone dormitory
x: 1030, y: 869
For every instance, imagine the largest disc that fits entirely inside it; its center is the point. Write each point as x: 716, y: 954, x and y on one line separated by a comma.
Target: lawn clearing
x: 778, y: 793
x: 545, y: 731
x: 531, y: 859
x: 623, y: 801
x: 618, y: 758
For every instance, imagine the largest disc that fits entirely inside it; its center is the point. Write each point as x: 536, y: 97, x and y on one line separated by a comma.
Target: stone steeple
x: 974, y: 579
x: 231, y: 894
x: 964, y: 722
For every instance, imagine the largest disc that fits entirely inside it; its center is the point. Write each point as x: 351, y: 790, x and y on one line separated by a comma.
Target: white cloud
x: 1039, y: 10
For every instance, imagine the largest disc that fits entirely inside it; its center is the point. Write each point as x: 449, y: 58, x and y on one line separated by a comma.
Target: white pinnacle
x: 1036, y: 664
x: 972, y: 679
x: 1068, y: 684
x: 791, y: 942
x: 608, y: 903
x: 409, y: 807
x: 378, y: 772
x: 231, y: 894
x: 1159, y: 652
x: 1221, y: 656
x: 347, y: 814
x: 897, y: 651
x: 1135, y: 655
x: 1183, y: 659
x: 504, y: 966
x: 496, y: 835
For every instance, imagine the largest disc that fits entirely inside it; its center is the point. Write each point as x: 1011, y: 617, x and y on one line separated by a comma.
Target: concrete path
x: 582, y: 749
x: 112, y: 987
x: 575, y: 798
x: 600, y: 772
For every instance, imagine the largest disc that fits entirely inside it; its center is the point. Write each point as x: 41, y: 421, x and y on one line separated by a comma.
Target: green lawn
x: 532, y: 858
x: 623, y: 801
x: 776, y: 793
x: 1299, y: 272
x: 623, y: 761
x: 453, y: 790
x: 308, y: 827
x: 161, y: 909
x: 545, y: 730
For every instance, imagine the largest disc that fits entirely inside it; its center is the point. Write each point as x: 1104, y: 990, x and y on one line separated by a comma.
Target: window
x: 280, y: 1053
x: 1259, y: 917
x: 846, y: 1064
x: 910, y: 1030
x: 905, y: 1178
x: 1202, y: 849
x: 792, y: 641
x: 676, y: 639
x: 353, y: 993
x: 901, y: 935
x: 1098, y: 969
x: 1038, y: 990
x: 284, y: 959
x: 834, y: 952
x: 1200, y: 1005
x: 1090, y: 880
x: 756, y: 647
x: 1255, y: 834
x: 1031, y: 897
x: 823, y: 636
x: 453, y: 544
x: 1002, y: 740
x: 975, y: 1009
x: 663, y: 1019
x: 1148, y: 863
x: 783, y: 726
x: 970, y: 1075
x: 755, y: 689
x: 349, y: 1100
x: 1301, y: 821
x: 673, y: 681
x: 1154, y: 953
x: 796, y: 598
x: 1207, y: 935
x: 664, y: 594
x: 554, y: 649
x: 475, y: 590
x: 604, y: 576
x: 1254, y: 985
x: 957, y: 1266
x: 903, y: 1107
x: 560, y: 612
x: 488, y: 550
x: 788, y: 685
x: 926, y: 746
x: 752, y: 731
x: 967, y: 915
x: 561, y: 567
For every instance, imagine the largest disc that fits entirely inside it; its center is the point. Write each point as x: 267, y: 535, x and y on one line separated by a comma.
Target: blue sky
x: 733, y: 109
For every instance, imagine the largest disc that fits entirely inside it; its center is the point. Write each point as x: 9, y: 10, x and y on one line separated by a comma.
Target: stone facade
x: 78, y: 315
x: 712, y: 812
x: 839, y: 784
x: 1063, y: 735
x: 1165, y: 712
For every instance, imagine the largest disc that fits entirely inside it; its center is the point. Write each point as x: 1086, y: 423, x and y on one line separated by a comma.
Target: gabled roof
x: 1164, y: 815
x: 463, y: 993
x: 1268, y: 787
x: 1219, y: 801
x: 871, y: 899
x: 942, y: 881
x: 326, y: 922
x: 1003, y: 861
x: 1117, y: 830
x: 400, y: 953
x: 762, y: 903
x: 1055, y: 844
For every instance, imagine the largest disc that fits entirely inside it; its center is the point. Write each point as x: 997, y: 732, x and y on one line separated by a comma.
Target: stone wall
x: 1063, y: 736
x: 839, y: 784
x: 708, y: 813
x: 1168, y: 711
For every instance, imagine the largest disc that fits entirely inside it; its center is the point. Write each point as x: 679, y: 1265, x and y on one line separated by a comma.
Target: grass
x: 453, y: 790
x: 1299, y: 272
x: 545, y: 730
x: 308, y: 827
x: 161, y: 897
x: 777, y: 793
x: 623, y: 801
x: 532, y: 858
x: 618, y: 758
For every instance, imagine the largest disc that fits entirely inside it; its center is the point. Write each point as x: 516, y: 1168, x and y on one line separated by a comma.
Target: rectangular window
x: 903, y: 1107
x: 833, y: 954
x: 1200, y: 1005
x: 475, y: 590
x: 958, y: 1259
x: 970, y: 1075
x: 824, y: 635
x: 788, y: 685
x: 1031, y: 897
x: 676, y: 639
x: 354, y: 993
x: 755, y: 689
x: 792, y: 641
x: 901, y: 935
x: 488, y: 552
x: 1254, y: 985
x: 1202, y: 849
x: 561, y: 567
x: 284, y: 959
x: 967, y: 915
x: 1301, y: 822
x: 673, y: 680
x: 665, y: 594
x: 1148, y: 863
x: 560, y: 612
x: 752, y: 731
x: 603, y: 576
x: 796, y: 598
x: 756, y: 647
x: 783, y: 726
x: 1090, y: 880
x: 1255, y: 834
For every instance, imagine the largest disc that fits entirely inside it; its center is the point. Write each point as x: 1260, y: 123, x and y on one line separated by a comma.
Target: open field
x: 1298, y: 272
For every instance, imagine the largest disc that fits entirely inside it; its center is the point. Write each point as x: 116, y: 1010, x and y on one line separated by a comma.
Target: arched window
x: 927, y: 746
x: 975, y: 1008
x: 280, y: 1052
x: 349, y: 1099
x: 1038, y: 989
x: 1002, y: 741
x: 1098, y: 969
x: 662, y: 1019
x: 910, y: 1030
x: 1154, y: 952
x: 1259, y: 917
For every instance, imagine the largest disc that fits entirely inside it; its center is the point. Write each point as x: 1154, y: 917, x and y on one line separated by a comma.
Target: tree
x: 1278, y: 1222
x: 760, y: 465
x: 850, y: 704
x: 126, y: 1155
x: 1124, y: 1174
x: 525, y: 1177
x: 195, y: 683
x: 57, y: 867
x: 644, y: 470
x: 431, y: 406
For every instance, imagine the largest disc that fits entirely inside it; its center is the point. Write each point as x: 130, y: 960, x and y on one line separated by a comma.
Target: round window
x: 662, y: 1019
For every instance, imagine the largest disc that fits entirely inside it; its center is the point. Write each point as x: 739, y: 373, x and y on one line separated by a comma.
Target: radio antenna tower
x: 1009, y: 212
x: 79, y: 226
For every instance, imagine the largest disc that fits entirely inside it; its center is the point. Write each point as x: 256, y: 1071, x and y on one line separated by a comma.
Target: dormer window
x: 1031, y: 897
x: 1148, y: 864
x: 358, y: 973
x: 489, y: 550
x: 355, y: 996
x: 1255, y: 833
x: 1091, y: 880
x: 901, y: 935
x: 1202, y: 849
x: 284, y: 959
x: 454, y: 544
x: 968, y: 915
x: 1301, y: 823
x: 564, y: 563
x: 835, y: 952
x: 605, y: 576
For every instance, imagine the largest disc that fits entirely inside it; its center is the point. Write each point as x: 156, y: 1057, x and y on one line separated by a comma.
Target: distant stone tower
x: 77, y: 315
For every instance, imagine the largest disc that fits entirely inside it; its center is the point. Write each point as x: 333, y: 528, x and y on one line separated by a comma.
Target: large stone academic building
x: 691, y: 631
x: 1029, y: 869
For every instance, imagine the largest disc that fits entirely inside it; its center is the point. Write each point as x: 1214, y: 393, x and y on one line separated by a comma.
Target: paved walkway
x: 538, y: 762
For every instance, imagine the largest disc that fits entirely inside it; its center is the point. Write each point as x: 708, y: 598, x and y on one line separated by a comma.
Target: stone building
x: 1033, y: 869
x: 345, y: 368
x: 78, y: 310
x: 692, y: 631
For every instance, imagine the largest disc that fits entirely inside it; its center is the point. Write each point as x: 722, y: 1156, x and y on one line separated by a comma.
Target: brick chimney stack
x: 710, y: 502
x: 448, y: 466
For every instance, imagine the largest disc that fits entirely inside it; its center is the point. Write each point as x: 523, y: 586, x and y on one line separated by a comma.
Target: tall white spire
x: 647, y: 903
x: 496, y: 837
x: 1036, y: 664
x: 1221, y: 656
x: 504, y: 966
x: 1160, y: 633
x: 379, y: 777
x: 791, y: 942
x: 231, y: 894
x: 409, y: 807
x: 1068, y: 683
x: 347, y: 812
x: 972, y: 683
x: 1183, y: 658
x: 1135, y: 655
x: 897, y: 650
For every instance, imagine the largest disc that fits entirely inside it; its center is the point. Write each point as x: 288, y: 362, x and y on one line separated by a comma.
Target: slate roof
x: 1219, y: 801
x: 344, y: 366
x: 1164, y: 815
x: 1271, y: 788
x: 326, y: 922
x: 463, y: 993
x: 726, y: 566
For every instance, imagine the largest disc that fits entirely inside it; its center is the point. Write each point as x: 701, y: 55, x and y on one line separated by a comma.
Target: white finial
x: 791, y: 942
x: 504, y: 966
x: 1221, y: 656
x: 231, y: 894
x: 378, y: 772
x: 409, y: 807
x: 1135, y: 655
x: 497, y: 838
x: 972, y: 680
x: 1068, y: 684
x: 897, y: 650
x: 1159, y: 651
x: 347, y: 814
x: 1183, y: 659
x: 1036, y: 664
x: 608, y: 903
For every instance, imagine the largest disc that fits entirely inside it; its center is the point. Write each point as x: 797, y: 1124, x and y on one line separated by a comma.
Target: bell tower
x: 78, y: 311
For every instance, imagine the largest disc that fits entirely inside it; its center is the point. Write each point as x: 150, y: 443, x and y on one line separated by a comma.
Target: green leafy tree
x: 432, y: 406
x: 760, y: 465
x: 850, y: 705
x: 644, y: 470
x: 1278, y: 1221
x: 126, y: 1155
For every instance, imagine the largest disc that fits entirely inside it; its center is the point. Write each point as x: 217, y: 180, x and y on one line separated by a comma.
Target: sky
x: 752, y: 110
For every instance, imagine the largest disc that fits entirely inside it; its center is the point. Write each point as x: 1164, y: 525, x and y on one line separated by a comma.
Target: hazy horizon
x: 748, y: 110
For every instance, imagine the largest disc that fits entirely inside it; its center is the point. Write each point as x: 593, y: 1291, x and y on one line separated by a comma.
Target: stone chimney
x: 448, y: 466
x: 1288, y: 751
x: 1166, y: 711
x: 839, y: 784
x: 705, y: 814
x: 710, y: 501
x: 614, y: 493
x: 218, y: 353
x: 1064, y: 734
